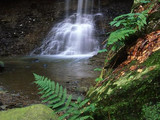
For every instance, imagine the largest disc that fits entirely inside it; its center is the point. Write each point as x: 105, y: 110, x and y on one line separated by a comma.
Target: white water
x: 74, y: 35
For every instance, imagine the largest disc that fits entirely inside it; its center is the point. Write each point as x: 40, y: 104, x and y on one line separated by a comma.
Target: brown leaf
x: 152, y: 68
x: 132, y: 68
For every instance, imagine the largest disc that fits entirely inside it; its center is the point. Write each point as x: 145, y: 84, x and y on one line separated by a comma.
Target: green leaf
x: 103, y: 50
x: 98, y: 69
x: 98, y: 79
x: 114, y: 48
x: 145, y: 1
x: 106, y: 60
x: 83, y: 103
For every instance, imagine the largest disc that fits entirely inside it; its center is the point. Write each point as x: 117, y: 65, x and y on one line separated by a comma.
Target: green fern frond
x: 119, y: 35
x: 130, y: 23
x: 56, y: 97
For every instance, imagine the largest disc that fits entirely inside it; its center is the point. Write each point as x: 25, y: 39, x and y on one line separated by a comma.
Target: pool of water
x: 71, y: 72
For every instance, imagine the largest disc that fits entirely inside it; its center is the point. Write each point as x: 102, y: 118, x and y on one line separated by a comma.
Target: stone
x: 82, y: 89
x: 34, y: 112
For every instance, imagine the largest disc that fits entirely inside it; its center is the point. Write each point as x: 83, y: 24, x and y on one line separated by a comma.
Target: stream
x: 73, y: 73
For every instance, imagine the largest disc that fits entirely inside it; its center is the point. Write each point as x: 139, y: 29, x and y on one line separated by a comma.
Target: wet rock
x: 75, y: 97
x: 35, y: 61
x: 34, y: 112
x: 3, y: 107
x: 45, y: 65
x: 23, y: 27
x: 10, y: 101
x: 98, y: 60
x: 82, y: 89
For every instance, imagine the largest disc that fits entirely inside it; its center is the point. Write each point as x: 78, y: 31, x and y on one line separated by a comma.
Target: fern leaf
x: 57, y: 88
x: 83, y: 103
x: 60, y: 92
x: 79, y: 99
x: 49, y: 98
x: 48, y: 93
x: 69, y: 101
x: 63, y: 116
x: 56, y: 97
x: 119, y: 35
x: 74, y: 117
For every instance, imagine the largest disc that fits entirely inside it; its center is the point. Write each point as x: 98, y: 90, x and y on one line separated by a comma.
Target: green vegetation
x: 125, y: 97
x: 56, y: 97
x: 129, y: 24
x: 125, y: 94
x: 151, y: 112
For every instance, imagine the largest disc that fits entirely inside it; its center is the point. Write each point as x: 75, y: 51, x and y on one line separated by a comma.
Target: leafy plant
x: 142, y: 1
x: 129, y: 23
x: 97, y: 69
x: 103, y: 50
x: 56, y: 98
x: 145, y: 1
x: 98, y: 79
x: 151, y: 112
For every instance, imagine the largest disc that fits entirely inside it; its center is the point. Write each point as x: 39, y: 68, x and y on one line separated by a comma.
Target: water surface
x: 73, y: 73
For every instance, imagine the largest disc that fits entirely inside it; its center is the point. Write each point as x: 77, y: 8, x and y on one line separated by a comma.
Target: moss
x: 34, y: 112
x: 123, y: 98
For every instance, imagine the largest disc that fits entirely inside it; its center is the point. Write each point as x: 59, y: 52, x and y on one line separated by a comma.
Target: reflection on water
x: 72, y: 73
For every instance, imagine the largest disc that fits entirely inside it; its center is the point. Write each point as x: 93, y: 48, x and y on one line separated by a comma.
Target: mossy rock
x: 34, y: 112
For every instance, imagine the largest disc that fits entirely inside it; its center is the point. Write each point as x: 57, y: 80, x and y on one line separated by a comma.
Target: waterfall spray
x: 75, y: 34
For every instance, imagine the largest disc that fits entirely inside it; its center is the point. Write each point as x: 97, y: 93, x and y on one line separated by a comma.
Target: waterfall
x: 74, y: 35
x: 67, y: 7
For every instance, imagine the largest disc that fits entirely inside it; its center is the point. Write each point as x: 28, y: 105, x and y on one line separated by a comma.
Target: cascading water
x: 74, y: 35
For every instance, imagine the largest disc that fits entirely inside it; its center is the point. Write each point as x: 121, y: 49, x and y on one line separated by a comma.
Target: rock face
x: 34, y: 112
x: 25, y: 23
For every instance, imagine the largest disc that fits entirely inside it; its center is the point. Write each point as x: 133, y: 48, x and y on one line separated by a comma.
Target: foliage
x: 103, y: 50
x: 56, y: 97
x: 130, y: 23
x: 151, y: 112
x: 97, y: 69
x: 122, y: 97
x: 145, y: 1
x: 98, y: 79
x: 142, y: 1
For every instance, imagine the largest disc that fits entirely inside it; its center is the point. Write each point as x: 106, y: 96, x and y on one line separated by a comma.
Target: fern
x: 56, y: 98
x: 119, y: 35
x: 130, y: 24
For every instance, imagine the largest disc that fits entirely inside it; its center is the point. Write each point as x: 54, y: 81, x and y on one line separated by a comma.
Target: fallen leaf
x: 133, y: 67
x: 152, y: 68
